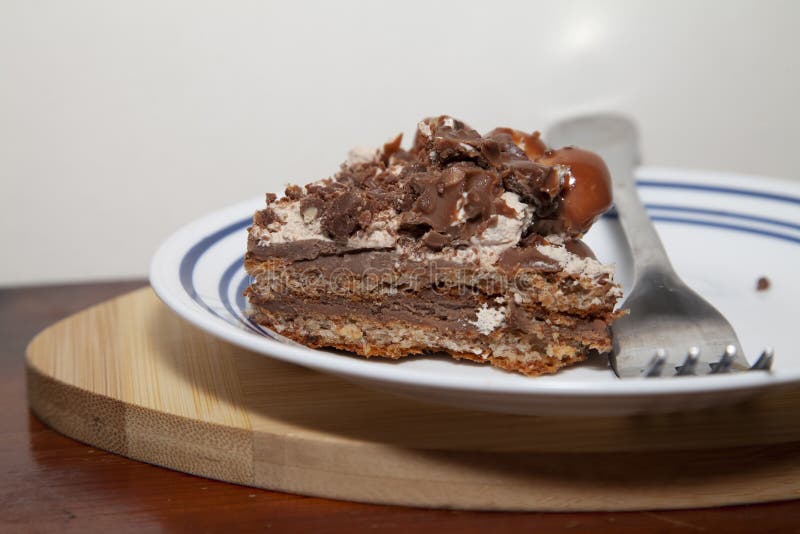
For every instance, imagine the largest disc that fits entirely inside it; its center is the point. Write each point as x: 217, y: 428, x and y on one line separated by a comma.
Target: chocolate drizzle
x: 451, y: 205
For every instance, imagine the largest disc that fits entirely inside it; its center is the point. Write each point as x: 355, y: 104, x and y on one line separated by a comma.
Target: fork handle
x: 616, y: 139
x: 649, y: 256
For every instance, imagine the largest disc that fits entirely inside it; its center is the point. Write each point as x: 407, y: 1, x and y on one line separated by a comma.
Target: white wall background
x: 120, y: 121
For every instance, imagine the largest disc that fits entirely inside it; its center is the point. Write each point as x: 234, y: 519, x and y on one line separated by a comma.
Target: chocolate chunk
x: 452, y: 142
x: 436, y: 240
x: 265, y: 217
x: 311, y: 207
x: 391, y: 148
x: 340, y: 218
x: 294, y: 192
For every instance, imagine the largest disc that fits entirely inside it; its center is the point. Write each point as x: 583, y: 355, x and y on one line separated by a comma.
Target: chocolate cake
x: 463, y: 244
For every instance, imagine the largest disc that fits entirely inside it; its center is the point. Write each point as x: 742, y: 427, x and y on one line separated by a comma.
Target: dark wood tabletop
x: 53, y: 483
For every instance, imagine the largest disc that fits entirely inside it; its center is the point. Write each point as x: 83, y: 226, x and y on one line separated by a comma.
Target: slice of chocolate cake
x: 463, y: 244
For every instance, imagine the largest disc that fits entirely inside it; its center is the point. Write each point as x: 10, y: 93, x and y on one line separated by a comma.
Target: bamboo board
x: 131, y: 377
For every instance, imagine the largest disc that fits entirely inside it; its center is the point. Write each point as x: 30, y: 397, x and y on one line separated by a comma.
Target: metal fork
x: 670, y: 330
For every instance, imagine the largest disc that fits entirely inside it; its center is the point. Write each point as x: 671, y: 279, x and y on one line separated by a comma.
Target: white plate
x: 722, y: 232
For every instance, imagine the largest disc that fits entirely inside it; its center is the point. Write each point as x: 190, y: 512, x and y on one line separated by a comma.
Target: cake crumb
x: 763, y: 284
x: 489, y: 319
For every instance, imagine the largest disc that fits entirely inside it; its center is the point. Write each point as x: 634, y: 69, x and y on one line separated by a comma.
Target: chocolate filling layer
x: 450, y: 316
x: 328, y: 256
x: 437, y: 313
x: 300, y: 251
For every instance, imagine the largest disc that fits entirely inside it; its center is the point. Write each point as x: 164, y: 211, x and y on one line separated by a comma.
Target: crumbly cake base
x: 397, y: 339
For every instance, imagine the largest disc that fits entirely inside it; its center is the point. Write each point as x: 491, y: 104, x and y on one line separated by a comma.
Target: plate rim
x: 164, y: 277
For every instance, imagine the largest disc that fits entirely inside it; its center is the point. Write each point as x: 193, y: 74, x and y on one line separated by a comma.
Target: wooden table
x: 52, y: 483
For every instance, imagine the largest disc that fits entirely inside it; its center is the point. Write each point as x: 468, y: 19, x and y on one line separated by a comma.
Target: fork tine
x: 725, y: 363
x: 764, y: 362
x: 689, y: 363
x: 656, y: 364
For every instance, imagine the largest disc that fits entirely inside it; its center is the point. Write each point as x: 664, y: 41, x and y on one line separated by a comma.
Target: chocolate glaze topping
x: 449, y: 186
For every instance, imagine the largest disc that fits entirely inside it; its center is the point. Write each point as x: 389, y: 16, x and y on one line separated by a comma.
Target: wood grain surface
x: 55, y: 482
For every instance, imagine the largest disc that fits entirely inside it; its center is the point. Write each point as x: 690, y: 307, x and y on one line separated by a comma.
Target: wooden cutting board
x: 131, y: 377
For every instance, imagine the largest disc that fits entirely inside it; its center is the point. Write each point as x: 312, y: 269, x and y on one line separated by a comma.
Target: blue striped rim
x: 726, y: 226
x: 224, y: 284
x: 193, y: 255
x: 719, y: 189
x: 723, y: 213
x: 713, y: 224
x: 241, y: 302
